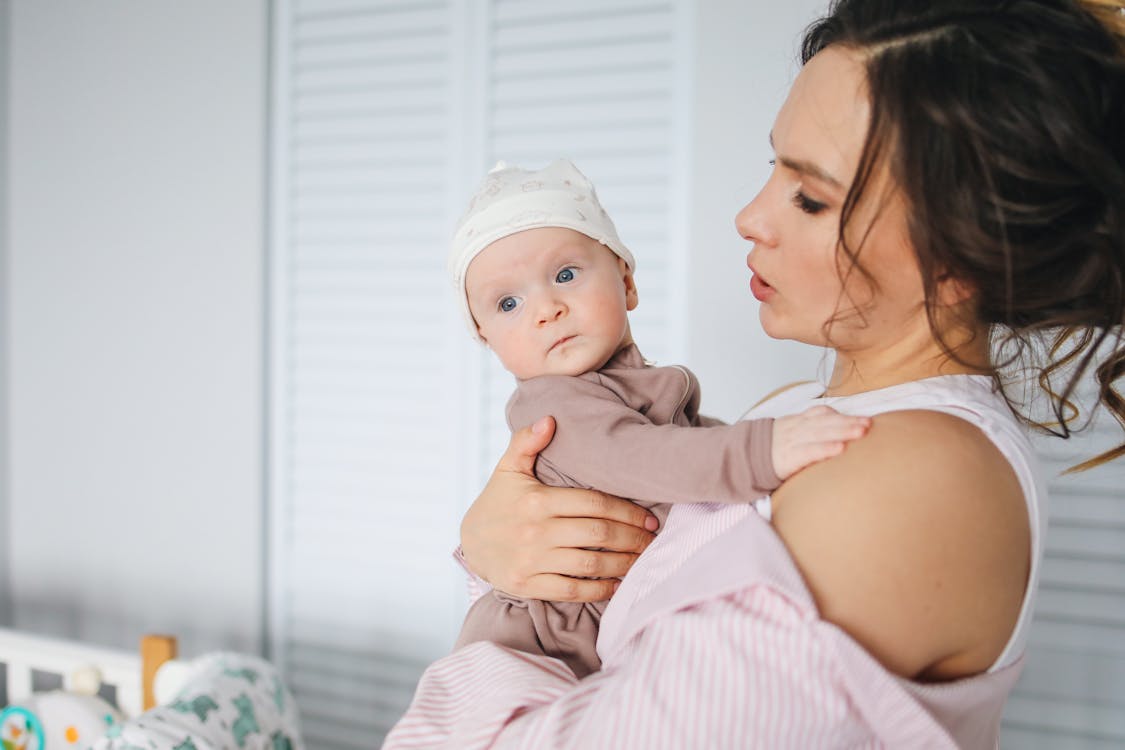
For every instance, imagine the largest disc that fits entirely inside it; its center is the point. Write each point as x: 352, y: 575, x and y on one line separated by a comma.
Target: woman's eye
x: 807, y: 204
x: 508, y: 304
x: 565, y: 275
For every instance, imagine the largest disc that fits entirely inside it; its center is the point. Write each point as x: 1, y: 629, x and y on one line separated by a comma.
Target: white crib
x: 133, y: 675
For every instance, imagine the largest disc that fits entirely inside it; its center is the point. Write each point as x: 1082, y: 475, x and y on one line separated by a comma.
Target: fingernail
x: 651, y: 523
x: 540, y: 427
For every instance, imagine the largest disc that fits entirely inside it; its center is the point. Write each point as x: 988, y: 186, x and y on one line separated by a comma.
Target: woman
x: 949, y: 189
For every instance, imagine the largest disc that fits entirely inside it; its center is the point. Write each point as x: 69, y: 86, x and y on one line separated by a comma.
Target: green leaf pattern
x: 233, y: 701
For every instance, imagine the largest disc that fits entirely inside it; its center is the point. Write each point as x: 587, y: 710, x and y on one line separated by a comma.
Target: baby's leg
x: 569, y: 631
x: 564, y: 630
x: 501, y: 619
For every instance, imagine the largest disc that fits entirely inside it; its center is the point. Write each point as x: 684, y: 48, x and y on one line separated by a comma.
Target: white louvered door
x: 1072, y: 693
x: 364, y: 492
x: 386, y: 417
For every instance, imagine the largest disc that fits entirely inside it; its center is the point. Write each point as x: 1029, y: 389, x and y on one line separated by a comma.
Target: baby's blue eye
x: 565, y: 275
x: 508, y: 304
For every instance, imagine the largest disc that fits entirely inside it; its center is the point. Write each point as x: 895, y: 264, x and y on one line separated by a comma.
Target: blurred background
x: 237, y: 403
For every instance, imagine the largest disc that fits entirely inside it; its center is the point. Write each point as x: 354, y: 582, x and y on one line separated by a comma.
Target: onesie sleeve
x: 602, y: 443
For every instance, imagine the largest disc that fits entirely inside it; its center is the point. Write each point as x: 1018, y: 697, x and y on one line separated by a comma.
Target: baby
x: 543, y: 279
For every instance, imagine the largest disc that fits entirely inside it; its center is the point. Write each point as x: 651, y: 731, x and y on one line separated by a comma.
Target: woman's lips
x: 760, y: 289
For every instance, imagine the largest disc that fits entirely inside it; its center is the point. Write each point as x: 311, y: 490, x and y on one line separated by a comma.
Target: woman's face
x: 793, y: 223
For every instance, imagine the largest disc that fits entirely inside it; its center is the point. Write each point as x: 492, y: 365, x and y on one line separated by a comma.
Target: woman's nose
x: 752, y: 222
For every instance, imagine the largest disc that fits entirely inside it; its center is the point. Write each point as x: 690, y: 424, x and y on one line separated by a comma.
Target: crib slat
x: 19, y: 681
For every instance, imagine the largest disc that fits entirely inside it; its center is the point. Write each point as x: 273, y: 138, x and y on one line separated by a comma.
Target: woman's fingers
x: 582, y: 563
x: 598, y: 533
x: 594, y: 504
x: 556, y: 588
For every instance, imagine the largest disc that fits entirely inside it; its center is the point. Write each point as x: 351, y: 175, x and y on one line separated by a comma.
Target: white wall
x: 136, y: 187
x: 745, y: 58
x: 5, y: 605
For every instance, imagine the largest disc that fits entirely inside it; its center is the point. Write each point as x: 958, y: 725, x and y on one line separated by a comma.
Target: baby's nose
x: 551, y: 311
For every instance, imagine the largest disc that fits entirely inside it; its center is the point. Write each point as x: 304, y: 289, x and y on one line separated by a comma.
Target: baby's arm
x: 602, y: 443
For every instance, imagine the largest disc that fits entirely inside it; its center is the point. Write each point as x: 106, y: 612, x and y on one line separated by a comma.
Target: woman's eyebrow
x: 807, y: 167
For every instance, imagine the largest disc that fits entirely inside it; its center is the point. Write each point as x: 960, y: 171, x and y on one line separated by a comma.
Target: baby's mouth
x: 563, y: 340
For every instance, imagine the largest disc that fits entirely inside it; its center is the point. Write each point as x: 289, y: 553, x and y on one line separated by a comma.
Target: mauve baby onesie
x: 632, y: 430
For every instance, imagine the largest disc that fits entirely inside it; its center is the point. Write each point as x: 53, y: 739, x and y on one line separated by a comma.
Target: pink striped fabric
x: 724, y: 650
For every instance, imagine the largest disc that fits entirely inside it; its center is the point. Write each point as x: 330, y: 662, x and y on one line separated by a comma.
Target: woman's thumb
x: 526, y: 445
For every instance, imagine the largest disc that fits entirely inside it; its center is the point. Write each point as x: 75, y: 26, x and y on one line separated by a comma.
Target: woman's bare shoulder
x: 913, y: 526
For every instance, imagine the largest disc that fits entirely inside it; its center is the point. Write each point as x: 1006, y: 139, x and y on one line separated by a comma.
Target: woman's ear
x: 631, y: 298
x: 952, y: 291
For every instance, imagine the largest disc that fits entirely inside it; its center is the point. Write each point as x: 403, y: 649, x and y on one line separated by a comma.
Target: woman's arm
x: 528, y: 540
x: 915, y: 541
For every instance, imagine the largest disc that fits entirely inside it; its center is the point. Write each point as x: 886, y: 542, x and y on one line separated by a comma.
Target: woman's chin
x: 787, y: 330
x: 773, y: 325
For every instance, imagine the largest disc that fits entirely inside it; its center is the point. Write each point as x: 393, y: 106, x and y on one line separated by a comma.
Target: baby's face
x: 551, y: 301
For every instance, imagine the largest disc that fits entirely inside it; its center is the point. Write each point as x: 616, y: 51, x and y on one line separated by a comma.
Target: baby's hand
x: 813, y: 435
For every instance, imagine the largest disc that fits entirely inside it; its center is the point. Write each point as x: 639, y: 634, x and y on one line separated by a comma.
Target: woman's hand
x: 530, y: 540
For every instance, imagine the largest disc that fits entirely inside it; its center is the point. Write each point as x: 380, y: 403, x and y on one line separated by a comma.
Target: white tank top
x: 973, y: 398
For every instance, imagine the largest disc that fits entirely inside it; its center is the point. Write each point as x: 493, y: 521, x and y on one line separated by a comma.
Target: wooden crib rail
x: 131, y: 673
x: 156, y: 651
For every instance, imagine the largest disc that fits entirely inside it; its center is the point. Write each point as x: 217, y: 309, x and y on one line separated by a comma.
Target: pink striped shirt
x: 712, y: 641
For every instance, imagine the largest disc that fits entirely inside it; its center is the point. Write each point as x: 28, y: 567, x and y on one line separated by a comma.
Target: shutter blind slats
x: 507, y: 12
x: 1107, y: 575
x: 1078, y: 719
x: 358, y: 204
x: 586, y: 141
x: 1082, y: 541
x: 1072, y: 692
x: 403, y: 47
x: 1049, y: 633
x: 306, y: 9
x: 363, y: 153
x: 358, y: 27
x: 316, y: 86
x: 586, y: 91
x: 535, y: 63
x: 1078, y: 676
x: 1082, y: 606
x: 1041, y: 739
x: 558, y: 31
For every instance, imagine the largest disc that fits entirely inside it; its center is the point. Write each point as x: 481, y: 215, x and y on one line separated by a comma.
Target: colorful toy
x: 59, y: 719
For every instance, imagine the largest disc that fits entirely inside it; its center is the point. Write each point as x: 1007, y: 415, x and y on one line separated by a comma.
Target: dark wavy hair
x: 1003, y: 125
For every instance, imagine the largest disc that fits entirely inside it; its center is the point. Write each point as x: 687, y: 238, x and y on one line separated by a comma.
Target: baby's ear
x: 631, y: 298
